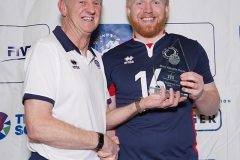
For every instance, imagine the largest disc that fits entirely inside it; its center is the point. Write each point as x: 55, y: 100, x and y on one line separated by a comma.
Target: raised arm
x: 205, y: 96
x: 209, y: 102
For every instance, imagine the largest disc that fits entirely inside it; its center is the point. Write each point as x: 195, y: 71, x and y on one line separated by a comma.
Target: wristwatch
x: 100, y: 140
x: 138, y: 106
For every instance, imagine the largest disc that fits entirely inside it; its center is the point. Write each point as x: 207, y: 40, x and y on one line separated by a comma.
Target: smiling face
x: 81, y: 15
x: 148, y: 17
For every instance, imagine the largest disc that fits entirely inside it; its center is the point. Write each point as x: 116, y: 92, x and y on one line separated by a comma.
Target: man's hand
x: 162, y: 100
x: 193, y: 84
x: 110, y: 149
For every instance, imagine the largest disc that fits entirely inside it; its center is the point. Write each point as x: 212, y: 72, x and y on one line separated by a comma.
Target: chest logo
x: 97, y: 63
x: 74, y: 63
x: 129, y: 60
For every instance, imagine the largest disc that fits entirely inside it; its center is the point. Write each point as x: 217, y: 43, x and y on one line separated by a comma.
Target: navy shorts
x: 36, y: 156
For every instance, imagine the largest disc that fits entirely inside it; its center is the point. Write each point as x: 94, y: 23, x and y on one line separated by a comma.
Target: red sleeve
x: 112, y: 90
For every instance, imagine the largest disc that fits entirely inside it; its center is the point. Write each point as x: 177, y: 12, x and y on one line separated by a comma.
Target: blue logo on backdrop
x: 16, y: 41
x: 14, y: 52
x: 208, y: 123
x: 5, y: 125
x: 20, y: 128
x: 108, y: 36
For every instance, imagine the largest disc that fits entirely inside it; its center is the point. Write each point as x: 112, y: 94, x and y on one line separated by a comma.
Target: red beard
x: 148, y: 31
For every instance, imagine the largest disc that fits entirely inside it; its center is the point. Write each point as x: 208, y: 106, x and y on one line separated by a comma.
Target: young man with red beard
x: 156, y: 126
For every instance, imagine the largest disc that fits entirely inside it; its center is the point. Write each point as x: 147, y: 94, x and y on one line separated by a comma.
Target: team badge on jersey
x: 97, y: 63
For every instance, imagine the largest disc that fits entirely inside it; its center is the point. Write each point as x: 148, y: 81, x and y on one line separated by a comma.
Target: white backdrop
x: 215, y: 24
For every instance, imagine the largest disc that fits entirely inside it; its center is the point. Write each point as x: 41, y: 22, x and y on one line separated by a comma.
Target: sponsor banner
x: 218, y: 136
x: 14, y: 49
x: 205, y: 123
x: 13, y: 133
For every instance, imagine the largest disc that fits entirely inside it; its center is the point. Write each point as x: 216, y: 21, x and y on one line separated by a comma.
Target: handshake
x: 110, y: 149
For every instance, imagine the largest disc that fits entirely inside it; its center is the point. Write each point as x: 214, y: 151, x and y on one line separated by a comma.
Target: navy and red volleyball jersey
x: 157, y: 134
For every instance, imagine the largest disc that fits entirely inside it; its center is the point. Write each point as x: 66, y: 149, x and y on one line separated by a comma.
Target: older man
x: 65, y: 94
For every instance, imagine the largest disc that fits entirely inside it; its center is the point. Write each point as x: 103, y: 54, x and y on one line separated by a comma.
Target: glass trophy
x: 168, y: 68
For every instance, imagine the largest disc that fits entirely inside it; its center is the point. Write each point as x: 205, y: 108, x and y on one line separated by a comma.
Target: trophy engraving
x: 169, y: 68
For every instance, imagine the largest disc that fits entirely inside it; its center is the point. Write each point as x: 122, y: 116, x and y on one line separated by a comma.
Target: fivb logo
x: 14, y: 51
x: 5, y: 125
x: 16, y: 41
x: 26, y: 34
x: 208, y: 123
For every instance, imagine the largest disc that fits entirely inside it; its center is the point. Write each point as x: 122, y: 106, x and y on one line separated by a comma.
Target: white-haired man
x: 65, y: 95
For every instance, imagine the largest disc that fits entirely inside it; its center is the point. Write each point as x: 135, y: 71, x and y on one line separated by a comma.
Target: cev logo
x: 5, y: 125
